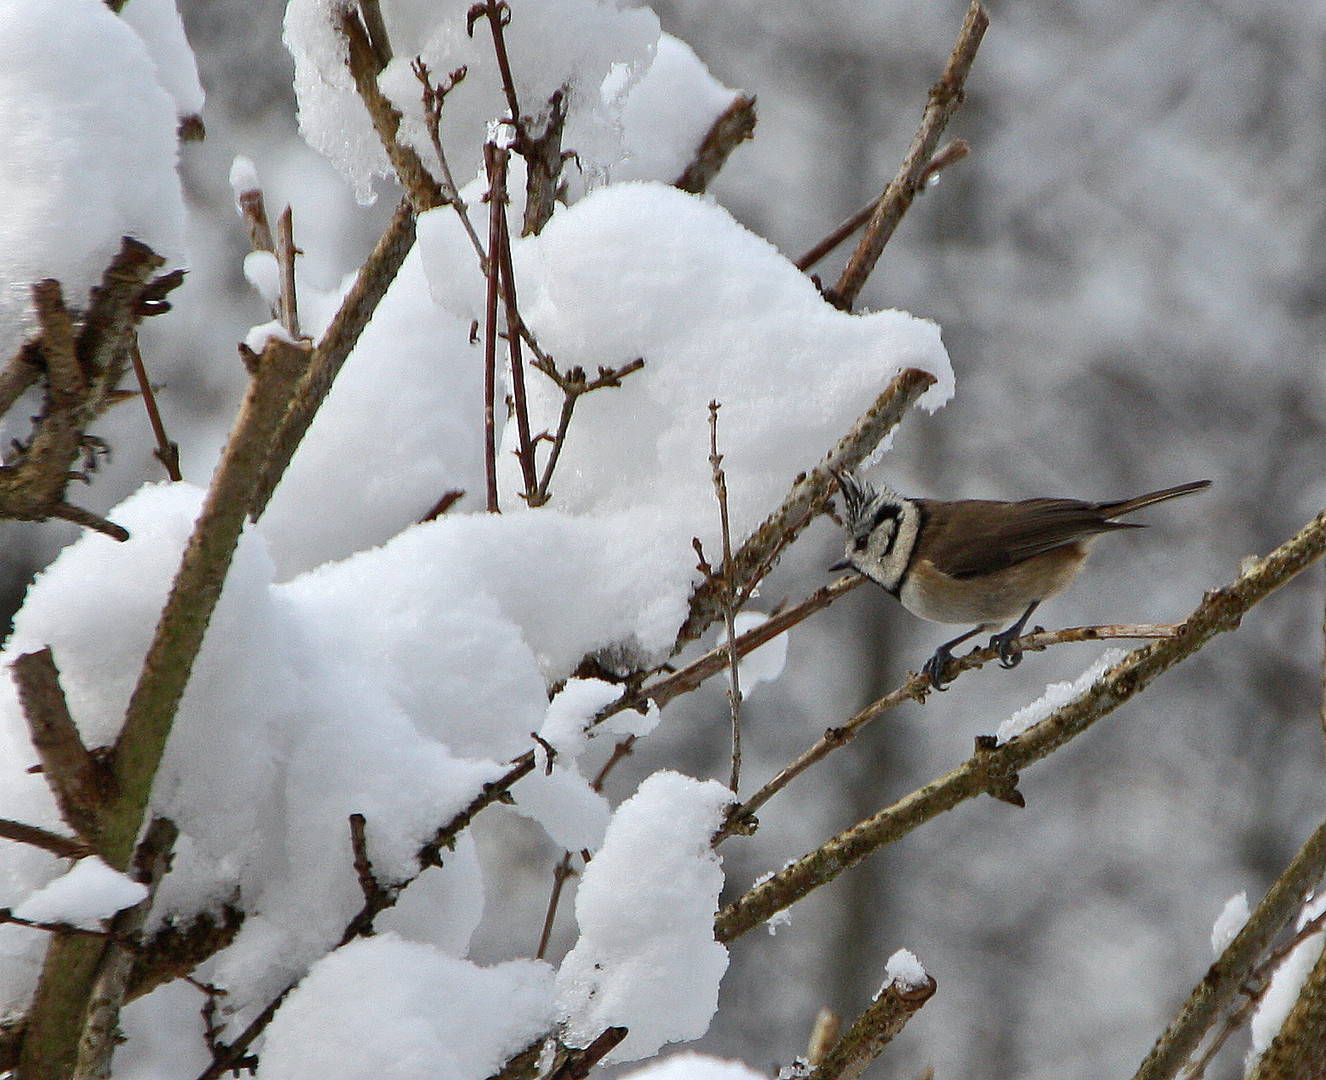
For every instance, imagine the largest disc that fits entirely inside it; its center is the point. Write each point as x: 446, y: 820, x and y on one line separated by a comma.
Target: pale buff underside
x: 1001, y: 597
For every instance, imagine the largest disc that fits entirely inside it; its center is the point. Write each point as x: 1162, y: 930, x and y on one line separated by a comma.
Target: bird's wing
x: 974, y: 536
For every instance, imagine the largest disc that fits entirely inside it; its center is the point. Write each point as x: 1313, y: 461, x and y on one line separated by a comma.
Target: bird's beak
x: 844, y: 565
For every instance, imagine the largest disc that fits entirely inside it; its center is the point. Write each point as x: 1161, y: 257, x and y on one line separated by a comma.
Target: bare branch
x: 945, y: 98
x: 285, y: 259
x: 946, y: 156
x: 727, y: 599
x: 66, y: 847
x: 80, y: 785
x: 167, y: 452
x: 733, y: 126
x: 1222, y: 981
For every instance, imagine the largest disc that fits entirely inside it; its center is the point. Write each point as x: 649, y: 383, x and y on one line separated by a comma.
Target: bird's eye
x: 861, y: 541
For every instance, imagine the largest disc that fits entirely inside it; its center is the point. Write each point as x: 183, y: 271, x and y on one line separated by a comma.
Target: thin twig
x: 520, y: 403
x: 728, y: 600
x: 377, y: 896
x: 167, y: 452
x: 495, y: 162
x: 498, y: 14
x: 573, y: 385
x: 66, y: 847
x: 945, y: 97
x: 561, y: 872
x: 285, y: 259
x: 434, y: 95
x: 994, y: 768
x: 953, y: 152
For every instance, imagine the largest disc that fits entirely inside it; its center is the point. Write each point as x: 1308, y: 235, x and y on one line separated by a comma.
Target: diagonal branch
x: 945, y: 97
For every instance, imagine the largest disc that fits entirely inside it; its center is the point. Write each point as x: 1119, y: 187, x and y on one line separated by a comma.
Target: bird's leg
x: 934, y: 667
x: 1003, y: 641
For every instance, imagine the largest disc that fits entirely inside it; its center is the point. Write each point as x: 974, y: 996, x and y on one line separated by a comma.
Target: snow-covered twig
x: 993, y: 769
x: 945, y: 97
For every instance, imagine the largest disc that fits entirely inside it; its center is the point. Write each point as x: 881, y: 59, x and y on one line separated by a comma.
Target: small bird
x: 977, y: 560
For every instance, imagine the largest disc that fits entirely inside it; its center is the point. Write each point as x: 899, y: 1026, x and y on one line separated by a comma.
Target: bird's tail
x: 1127, y: 506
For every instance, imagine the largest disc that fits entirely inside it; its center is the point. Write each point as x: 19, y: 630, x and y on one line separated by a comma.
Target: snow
x: 646, y: 957
x: 766, y: 663
x: 554, y: 43
x: 1229, y: 922
x: 688, y: 1065
x: 569, y: 713
x: 359, y: 662
x: 905, y: 971
x: 89, y: 892
x: 87, y: 152
x: 659, y: 138
x: 384, y: 1008
x: 1057, y: 695
x: 159, y: 24
x: 1286, y: 983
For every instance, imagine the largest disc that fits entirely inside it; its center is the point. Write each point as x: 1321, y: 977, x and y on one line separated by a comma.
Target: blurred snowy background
x: 1128, y: 272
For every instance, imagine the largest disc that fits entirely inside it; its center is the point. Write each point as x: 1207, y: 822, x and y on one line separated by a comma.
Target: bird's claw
x: 1010, y: 656
x: 934, y: 668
